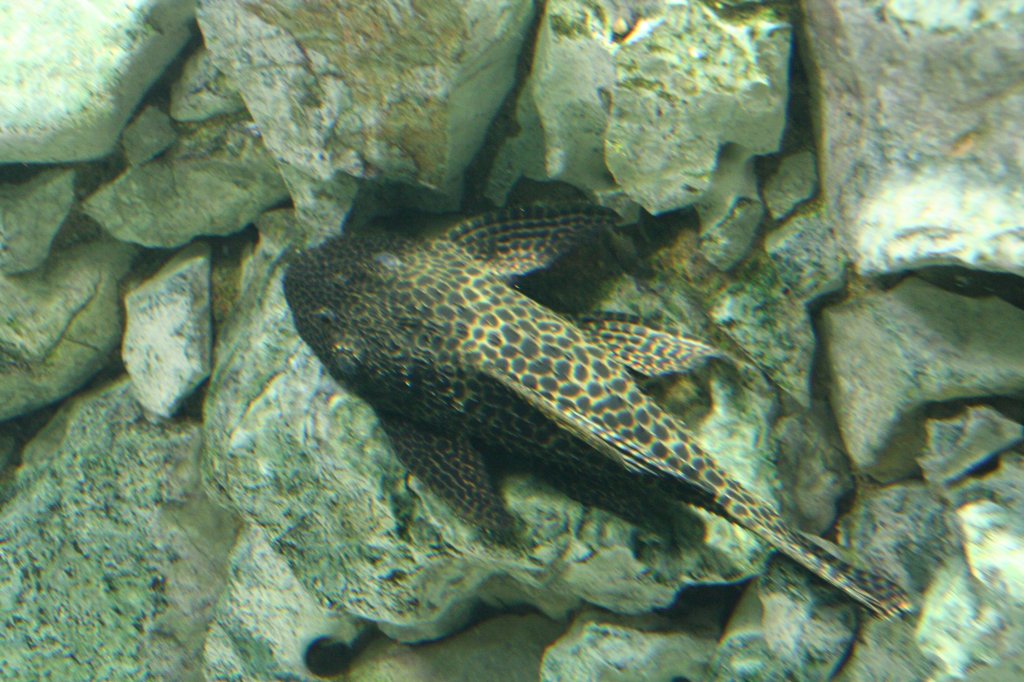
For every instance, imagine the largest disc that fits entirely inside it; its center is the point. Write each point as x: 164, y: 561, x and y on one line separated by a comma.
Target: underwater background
x: 826, y: 195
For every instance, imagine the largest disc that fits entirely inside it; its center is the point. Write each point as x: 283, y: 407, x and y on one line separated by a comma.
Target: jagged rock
x: 72, y: 77
x: 60, y: 324
x: 795, y: 180
x: 149, y: 134
x: 924, y: 161
x: 959, y: 444
x: 788, y: 626
x: 113, y: 557
x: 731, y: 210
x: 203, y: 91
x: 30, y: 215
x: 371, y: 90
x: 601, y: 647
x: 891, y: 352
x: 168, y: 335
x: 214, y: 182
x: 809, y: 258
x: 506, y: 647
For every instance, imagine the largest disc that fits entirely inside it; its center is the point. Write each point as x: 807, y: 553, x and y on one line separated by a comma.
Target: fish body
x: 432, y: 335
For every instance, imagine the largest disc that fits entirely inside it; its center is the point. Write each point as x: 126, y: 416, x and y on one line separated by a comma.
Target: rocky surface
x: 794, y: 181
x: 924, y: 161
x: 30, y: 215
x: 168, y: 335
x: 59, y: 324
x: 71, y: 77
x: 960, y: 444
x: 150, y: 133
x: 203, y: 91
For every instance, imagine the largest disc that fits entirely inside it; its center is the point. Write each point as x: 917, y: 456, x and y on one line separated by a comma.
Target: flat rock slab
x: 30, y: 215
x: 892, y: 352
x: 70, y: 78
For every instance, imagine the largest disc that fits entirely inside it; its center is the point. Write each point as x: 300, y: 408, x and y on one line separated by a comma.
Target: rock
x: 61, y: 322
x: 795, y: 181
x: 788, y: 626
x: 688, y: 82
x: 214, y: 182
x: 891, y: 352
x: 71, y: 78
x: 203, y: 91
x: 808, y: 256
x: 359, y: 534
x: 149, y: 134
x: 604, y: 648
x: 923, y: 162
x: 994, y: 542
x: 372, y: 91
x: 30, y: 215
x: 730, y: 211
x: 509, y: 647
x: 113, y: 557
x: 168, y: 335
x: 959, y: 444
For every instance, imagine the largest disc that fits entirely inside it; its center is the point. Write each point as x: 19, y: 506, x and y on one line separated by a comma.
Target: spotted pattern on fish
x: 432, y: 335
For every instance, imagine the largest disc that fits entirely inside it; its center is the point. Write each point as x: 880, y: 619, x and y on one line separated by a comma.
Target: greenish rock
x: 71, y: 76
x: 809, y: 258
x: 113, y: 556
x: 731, y: 210
x: 795, y: 181
x: 59, y: 324
x: 601, y: 647
x: 892, y: 352
x: 689, y: 82
x: 505, y: 647
x: 959, y: 444
x: 376, y: 90
x: 788, y: 626
x: 203, y: 91
x: 30, y: 215
x: 149, y: 134
x: 214, y: 182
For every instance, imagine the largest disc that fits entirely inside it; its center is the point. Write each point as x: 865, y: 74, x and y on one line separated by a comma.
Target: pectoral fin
x: 643, y: 349
x: 518, y: 240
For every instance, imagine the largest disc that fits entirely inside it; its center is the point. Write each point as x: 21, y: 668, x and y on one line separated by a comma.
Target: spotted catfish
x: 453, y: 359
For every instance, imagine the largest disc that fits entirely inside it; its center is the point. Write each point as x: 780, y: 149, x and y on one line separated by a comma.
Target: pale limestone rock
x: 203, y: 91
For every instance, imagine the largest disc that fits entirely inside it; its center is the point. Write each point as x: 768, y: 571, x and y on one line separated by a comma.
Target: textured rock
x: 149, y: 134
x: 731, y: 210
x: 113, y: 557
x: 168, y: 335
x: 372, y: 90
x: 59, y: 324
x: 892, y: 352
x: 697, y: 81
x: 788, y: 626
x: 71, y: 77
x: 959, y: 444
x: 923, y: 161
x: 506, y: 647
x: 30, y: 215
x: 809, y: 258
x: 602, y: 648
x: 213, y: 182
x: 796, y: 180
x: 203, y: 91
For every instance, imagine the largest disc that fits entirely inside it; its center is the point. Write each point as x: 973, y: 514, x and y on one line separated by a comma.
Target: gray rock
x: 214, y: 182
x: 149, y: 134
x: 168, y: 334
x: 796, y: 180
x: 30, y: 215
x: 506, y: 647
x: 72, y: 77
x: 924, y: 161
x: 892, y: 352
x: 113, y: 556
x: 696, y: 81
x: 788, y: 626
x: 959, y: 444
x: 731, y: 210
x: 203, y: 91
x: 60, y: 324
x: 810, y: 259
x: 375, y: 91
x: 605, y: 648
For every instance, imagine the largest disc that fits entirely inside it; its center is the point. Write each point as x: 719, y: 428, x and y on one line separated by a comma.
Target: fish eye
x: 325, y: 315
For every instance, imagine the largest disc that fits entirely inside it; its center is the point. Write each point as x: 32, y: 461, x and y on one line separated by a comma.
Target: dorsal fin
x: 515, y: 241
